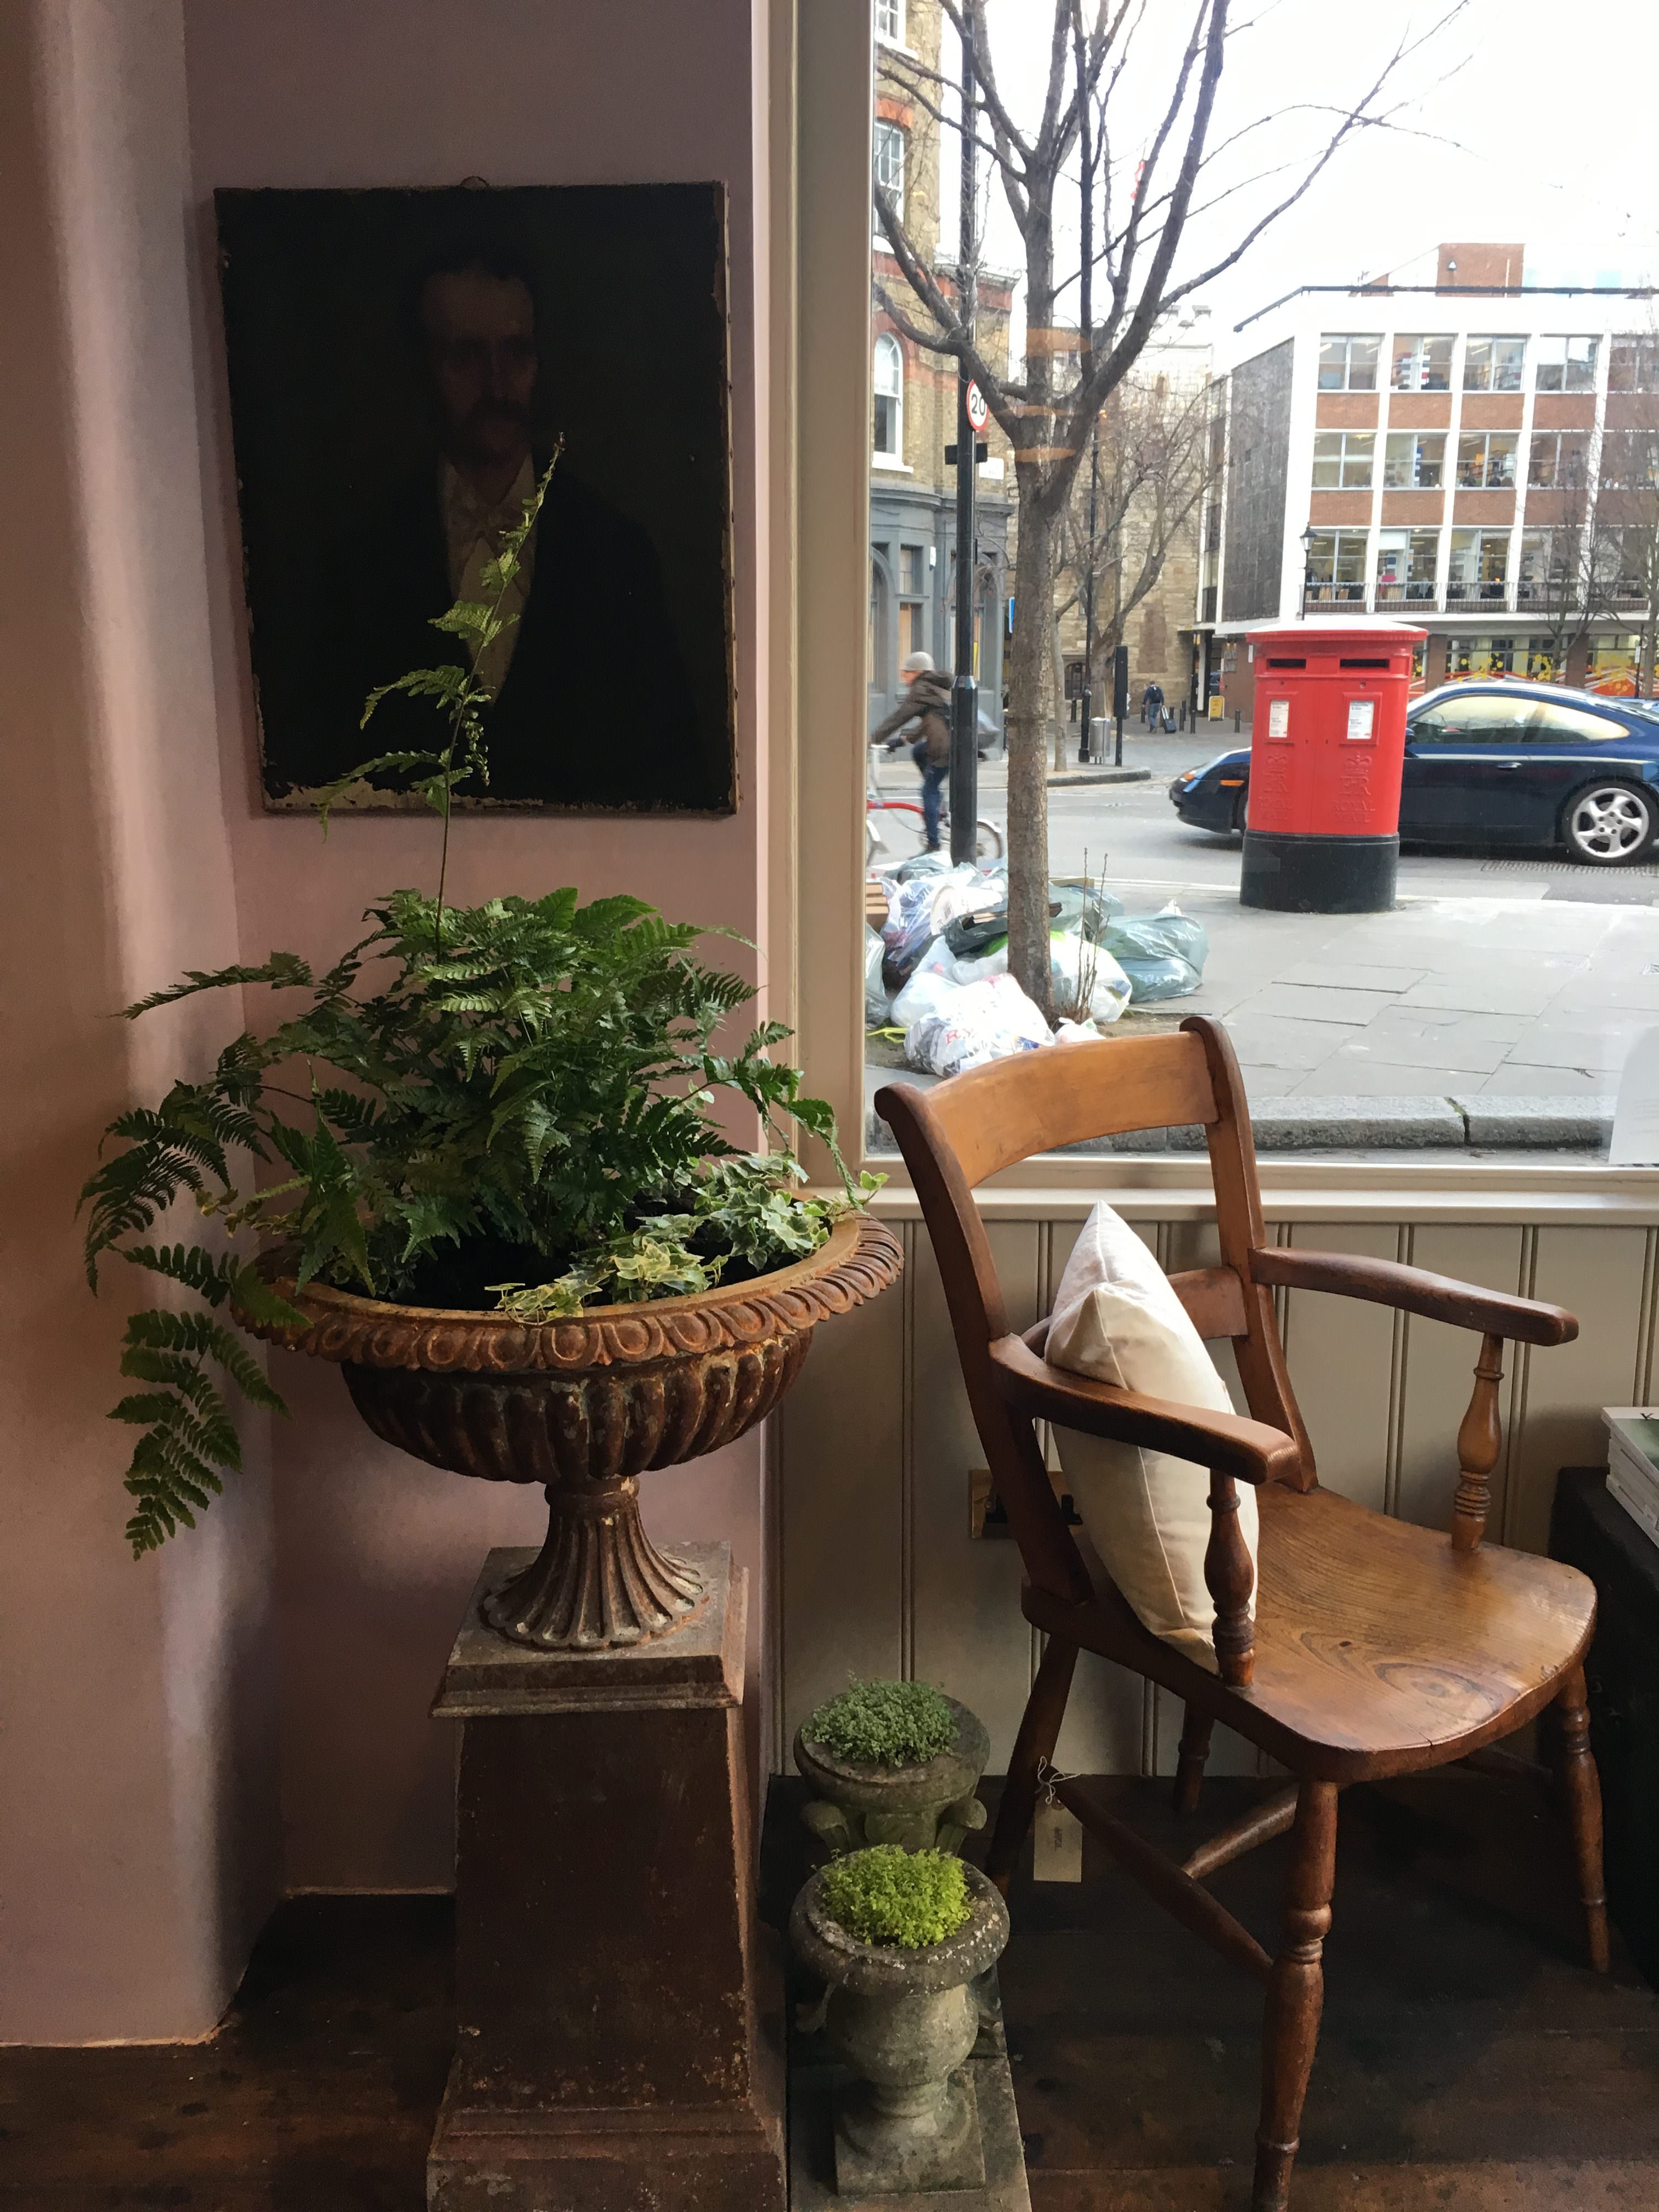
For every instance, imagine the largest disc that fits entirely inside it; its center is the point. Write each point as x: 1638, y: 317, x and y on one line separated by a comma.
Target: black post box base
x: 1290, y: 873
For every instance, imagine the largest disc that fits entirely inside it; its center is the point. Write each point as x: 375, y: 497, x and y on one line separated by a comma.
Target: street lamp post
x: 1308, y: 537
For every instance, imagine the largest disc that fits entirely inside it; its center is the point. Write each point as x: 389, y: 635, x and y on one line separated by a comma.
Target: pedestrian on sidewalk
x: 926, y: 702
x: 1151, y: 703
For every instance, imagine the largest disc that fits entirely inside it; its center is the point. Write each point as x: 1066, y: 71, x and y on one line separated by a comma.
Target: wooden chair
x: 1376, y: 1648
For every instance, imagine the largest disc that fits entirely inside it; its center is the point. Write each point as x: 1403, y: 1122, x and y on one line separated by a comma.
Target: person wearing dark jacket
x: 1151, y: 703
x: 926, y: 702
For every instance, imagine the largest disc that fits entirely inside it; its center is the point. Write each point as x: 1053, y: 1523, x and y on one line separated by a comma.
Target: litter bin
x: 1327, y: 749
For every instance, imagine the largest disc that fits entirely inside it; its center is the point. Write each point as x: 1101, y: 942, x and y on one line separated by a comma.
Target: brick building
x: 913, y: 521
x: 1475, y: 453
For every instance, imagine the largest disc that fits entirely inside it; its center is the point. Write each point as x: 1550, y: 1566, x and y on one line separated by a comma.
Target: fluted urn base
x: 598, y: 1580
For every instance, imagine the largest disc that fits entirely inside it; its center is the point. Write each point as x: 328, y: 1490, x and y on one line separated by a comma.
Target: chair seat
x: 1377, y: 1646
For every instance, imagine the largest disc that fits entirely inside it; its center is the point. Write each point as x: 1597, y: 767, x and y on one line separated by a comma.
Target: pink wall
x: 138, y: 1807
x: 374, y: 1553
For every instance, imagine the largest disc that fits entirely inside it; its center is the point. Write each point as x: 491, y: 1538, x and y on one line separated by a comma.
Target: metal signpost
x: 971, y: 416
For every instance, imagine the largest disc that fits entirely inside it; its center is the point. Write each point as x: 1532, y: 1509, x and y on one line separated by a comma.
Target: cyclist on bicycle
x: 928, y: 702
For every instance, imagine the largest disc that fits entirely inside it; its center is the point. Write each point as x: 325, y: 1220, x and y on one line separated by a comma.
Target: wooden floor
x: 1468, y: 2060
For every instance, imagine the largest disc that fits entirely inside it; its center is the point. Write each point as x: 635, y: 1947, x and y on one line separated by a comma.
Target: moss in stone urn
x: 892, y: 1763
x: 888, y: 1895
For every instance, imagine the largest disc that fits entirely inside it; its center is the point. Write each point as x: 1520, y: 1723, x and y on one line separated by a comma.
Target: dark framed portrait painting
x: 403, y: 366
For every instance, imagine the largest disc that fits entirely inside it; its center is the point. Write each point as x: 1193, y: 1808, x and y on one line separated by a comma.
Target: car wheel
x: 1608, y: 825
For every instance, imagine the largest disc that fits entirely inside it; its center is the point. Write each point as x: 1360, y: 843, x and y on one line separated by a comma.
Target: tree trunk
x: 1028, y: 786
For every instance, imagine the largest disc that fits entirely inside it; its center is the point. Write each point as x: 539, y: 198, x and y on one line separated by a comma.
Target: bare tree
x: 1135, y: 209
x: 1629, y: 482
x: 1130, y: 512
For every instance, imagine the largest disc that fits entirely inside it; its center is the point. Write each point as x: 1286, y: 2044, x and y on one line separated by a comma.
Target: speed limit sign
x: 978, y: 413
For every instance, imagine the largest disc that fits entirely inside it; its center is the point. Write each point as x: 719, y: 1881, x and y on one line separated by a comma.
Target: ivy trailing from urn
x: 504, y: 1106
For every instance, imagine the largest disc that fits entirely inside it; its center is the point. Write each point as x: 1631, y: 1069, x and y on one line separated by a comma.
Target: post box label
x: 1279, y: 717
x: 1362, y: 721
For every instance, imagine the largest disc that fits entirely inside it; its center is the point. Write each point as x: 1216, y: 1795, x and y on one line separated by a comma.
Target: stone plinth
x: 618, y: 2036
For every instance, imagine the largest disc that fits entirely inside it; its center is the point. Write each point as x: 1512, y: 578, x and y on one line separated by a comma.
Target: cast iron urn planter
x: 584, y: 1407
x: 905, y: 2021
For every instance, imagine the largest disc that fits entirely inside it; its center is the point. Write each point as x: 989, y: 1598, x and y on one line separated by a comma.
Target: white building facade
x: 1477, y: 455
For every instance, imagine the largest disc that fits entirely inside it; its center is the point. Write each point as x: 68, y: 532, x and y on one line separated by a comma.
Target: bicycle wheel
x: 988, y: 841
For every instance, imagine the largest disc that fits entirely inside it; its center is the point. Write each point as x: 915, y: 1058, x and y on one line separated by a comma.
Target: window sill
x: 890, y: 467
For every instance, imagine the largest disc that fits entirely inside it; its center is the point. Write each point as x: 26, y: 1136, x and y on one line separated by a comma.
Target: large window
x: 1560, y: 460
x: 1566, y: 364
x: 1336, y: 567
x: 1405, y: 561
x: 1486, y: 460
x: 1616, y: 564
x: 889, y: 439
x: 1629, y: 459
x: 1480, y: 656
x: 1342, y: 459
x: 1548, y: 563
x: 1480, y: 566
x: 890, y: 21
x: 1347, y: 363
x: 1493, y: 364
x: 1414, y: 460
x: 1633, y: 364
x: 889, y: 156
x: 1422, y: 364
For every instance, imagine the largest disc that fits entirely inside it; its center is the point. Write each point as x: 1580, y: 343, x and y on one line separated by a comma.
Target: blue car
x: 1506, y: 763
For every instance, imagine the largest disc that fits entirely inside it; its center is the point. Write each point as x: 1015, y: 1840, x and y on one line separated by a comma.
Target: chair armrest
x: 1414, y: 1290
x: 1224, y: 1442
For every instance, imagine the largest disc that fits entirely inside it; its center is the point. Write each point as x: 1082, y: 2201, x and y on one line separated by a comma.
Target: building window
x: 1486, y: 460
x: 876, y: 643
x: 1480, y: 566
x: 1633, y: 364
x: 1559, y: 461
x: 1336, y: 567
x: 1414, y: 461
x: 1406, y: 562
x: 1422, y: 364
x: 1614, y: 661
x: 913, y: 622
x: 1481, y: 656
x: 1348, y: 364
x: 889, y: 398
x: 1630, y: 460
x: 1342, y: 461
x: 1547, y: 559
x: 889, y: 149
x: 1567, y: 365
x: 890, y: 21
x: 1617, y: 565
x: 1493, y: 364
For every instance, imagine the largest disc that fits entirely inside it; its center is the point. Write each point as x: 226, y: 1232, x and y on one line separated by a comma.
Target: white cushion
x: 1116, y: 1319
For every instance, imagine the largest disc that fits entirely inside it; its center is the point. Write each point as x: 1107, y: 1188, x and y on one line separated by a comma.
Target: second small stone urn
x: 925, y: 1805
x: 905, y: 2022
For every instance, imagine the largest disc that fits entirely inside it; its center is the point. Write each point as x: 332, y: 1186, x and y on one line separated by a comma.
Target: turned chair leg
x: 1195, y: 1731
x: 1581, y: 1787
x: 1295, y: 1995
x: 1039, y: 1731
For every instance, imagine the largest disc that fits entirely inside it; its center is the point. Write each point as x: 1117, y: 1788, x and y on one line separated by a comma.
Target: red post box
x: 1327, y: 749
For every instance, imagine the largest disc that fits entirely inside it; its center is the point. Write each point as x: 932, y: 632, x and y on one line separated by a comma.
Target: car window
x: 1482, y: 719
x: 1559, y: 725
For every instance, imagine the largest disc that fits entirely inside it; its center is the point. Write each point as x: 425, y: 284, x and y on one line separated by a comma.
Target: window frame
x: 1494, y: 339
x: 1348, y: 340
x: 1418, y: 340
x: 1541, y: 362
x: 895, y: 37
x: 1416, y: 439
x: 1644, y: 346
x: 884, y: 135
x: 1489, y: 442
x: 1539, y: 439
x: 886, y: 342
x: 817, y: 458
x: 1363, y: 452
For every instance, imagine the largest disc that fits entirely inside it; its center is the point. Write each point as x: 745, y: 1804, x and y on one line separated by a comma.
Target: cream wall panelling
x: 880, y: 1575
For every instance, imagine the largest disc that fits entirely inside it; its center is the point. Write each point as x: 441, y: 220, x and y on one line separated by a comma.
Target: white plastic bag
x: 981, y: 1022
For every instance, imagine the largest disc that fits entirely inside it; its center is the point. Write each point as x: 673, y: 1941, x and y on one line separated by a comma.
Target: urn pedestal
x: 619, y: 2031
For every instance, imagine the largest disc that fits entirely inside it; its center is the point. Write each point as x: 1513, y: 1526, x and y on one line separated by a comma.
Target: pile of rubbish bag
x: 938, y: 968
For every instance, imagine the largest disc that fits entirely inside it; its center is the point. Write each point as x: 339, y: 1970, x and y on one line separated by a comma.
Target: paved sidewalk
x: 1529, y: 997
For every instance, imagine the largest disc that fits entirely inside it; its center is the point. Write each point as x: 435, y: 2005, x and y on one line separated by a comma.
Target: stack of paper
x: 1633, y: 1463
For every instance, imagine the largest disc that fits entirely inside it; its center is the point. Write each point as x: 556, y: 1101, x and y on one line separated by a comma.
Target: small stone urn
x: 927, y: 1806
x: 904, y: 2021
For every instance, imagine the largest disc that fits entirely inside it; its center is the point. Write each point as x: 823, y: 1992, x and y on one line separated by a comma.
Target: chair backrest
x: 957, y: 1134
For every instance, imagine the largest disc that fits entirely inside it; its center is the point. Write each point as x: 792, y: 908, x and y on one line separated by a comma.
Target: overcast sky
x: 1527, y: 120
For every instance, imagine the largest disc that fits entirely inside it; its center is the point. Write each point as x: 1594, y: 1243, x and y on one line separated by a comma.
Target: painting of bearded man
x: 403, y: 368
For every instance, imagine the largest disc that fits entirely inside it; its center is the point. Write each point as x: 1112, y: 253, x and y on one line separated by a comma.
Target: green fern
x: 534, y: 1074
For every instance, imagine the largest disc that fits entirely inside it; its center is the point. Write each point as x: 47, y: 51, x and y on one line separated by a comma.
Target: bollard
x: 1238, y: 720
